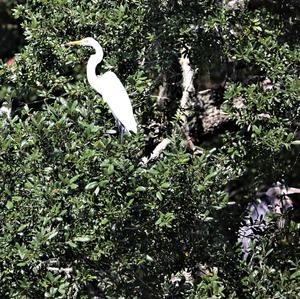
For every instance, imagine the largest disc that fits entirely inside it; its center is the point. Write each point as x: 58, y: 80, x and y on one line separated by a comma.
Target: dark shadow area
x: 11, y: 33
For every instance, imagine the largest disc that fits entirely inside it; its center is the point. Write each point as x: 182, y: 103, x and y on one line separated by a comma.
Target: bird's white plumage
x: 115, y: 95
x: 109, y: 86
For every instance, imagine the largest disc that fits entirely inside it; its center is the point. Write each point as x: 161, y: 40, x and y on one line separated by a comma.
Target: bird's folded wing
x: 115, y: 95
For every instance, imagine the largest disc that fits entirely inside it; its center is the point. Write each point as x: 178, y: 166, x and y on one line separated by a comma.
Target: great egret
x: 110, y: 87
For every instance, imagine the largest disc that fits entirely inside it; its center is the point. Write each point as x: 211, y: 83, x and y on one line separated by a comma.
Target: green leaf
x: 110, y: 169
x: 9, y: 205
x: 52, y: 235
x: 165, y: 219
x: 159, y: 195
x: 75, y: 178
x: 22, y: 227
x: 165, y: 185
x: 91, y: 185
x: 149, y: 258
x: 295, y: 274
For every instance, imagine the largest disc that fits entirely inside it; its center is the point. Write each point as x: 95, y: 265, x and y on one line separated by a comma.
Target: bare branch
x: 187, y: 89
x: 163, y: 92
x: 67, y: 271
x: 157, y: 151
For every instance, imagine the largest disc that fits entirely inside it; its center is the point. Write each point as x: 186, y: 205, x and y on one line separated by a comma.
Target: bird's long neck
x: 93, y: 61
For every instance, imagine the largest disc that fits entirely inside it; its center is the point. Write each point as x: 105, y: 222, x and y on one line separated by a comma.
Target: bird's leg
x: 121, y: 130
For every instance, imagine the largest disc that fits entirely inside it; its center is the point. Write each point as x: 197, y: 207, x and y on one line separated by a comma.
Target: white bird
x: 110, y: 87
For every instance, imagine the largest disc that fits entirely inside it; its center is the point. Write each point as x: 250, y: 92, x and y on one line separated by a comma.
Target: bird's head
x: 88, y: 42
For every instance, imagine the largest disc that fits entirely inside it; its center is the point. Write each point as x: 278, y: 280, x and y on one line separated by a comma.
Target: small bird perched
x: 110, y: 87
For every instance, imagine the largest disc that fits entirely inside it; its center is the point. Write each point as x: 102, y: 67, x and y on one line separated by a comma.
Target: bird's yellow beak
x: 74, y: 43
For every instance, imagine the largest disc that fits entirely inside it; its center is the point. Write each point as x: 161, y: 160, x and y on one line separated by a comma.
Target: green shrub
x: 81, y: 215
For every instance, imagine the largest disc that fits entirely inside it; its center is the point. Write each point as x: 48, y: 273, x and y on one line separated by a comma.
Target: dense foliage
x: 82, y: 216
